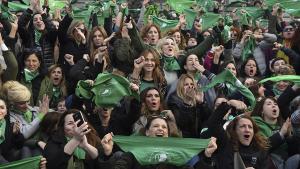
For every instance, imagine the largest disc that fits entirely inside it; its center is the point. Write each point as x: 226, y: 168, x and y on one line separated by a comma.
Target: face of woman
x: 288, y: 32
x: 149, y: 63
x: 98, y: 39
x: 192, y: 42
x: 106, y: 112
x: 56, y: 76
x: 282, y: 85
x: 3, y: 110
x: 168, y: 47
x: 232, y: 68
x: 158, y: 128
x: 277, y: 65
x: 152, y: 100
x: 244, y: 131
x: 32, y: 63
x: 22, y: 106
x: 190, y: 62
x: 270, y: 110
x: 188, y: 84
x: 38, y: 22
x: 153, y: 36
x: 76, y: 34
x: 250, y: 68
x: 69, y: 125
x: 177, y: 37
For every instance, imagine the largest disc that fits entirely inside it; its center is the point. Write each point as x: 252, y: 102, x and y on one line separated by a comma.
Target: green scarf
x: 31, y: 162
x: 27, y: 115
x: 2, y: 130
x: 276, y: 91
x: 29, y: 75
x: 170, y: 64
x: 291, y: 78
x: 37, y: 36
x: 56, y: 94
x: 79, y: 153
x: 155, y: 150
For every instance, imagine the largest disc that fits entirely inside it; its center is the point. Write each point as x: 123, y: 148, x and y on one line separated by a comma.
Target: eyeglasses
x: 288, y: 29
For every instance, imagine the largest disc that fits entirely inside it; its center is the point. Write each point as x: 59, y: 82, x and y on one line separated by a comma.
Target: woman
x: 151, y: 34
x: 168, y: 48
x: 18, y: 96
x: 37, y: 30
x: 72, y: 145
x: 54, y: 86
x: 151, y: 104
x: 32, y: 73
x: 72, y: 36
x: 249, y: 69
x: 147, y: 72
x: 157, y: 126
x: 178, y: 36
x: 241, y: 139
x: 188, y: 107
x: 269, y: 119
x: 10, y: 137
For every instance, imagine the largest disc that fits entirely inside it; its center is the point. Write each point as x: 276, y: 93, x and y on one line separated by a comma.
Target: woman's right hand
x: 107, y: 143
x: 81, y: 131
x: 211, y: 147
x: 139, y: 63
x: 239, y: 105
x: 44, y: 105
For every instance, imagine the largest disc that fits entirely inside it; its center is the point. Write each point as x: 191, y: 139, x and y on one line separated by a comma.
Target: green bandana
x: 29, y: 76
x: 2, y: 130
x: 170, y: 64
x: 79, y: 153
x: 228, y: 77
x: 291, y: 78
x: 56, y: 94
x: 248, y: 49
x: 27, y: 115
x: 31, y: 162
x: 154, y: 150
x: 37, y: 37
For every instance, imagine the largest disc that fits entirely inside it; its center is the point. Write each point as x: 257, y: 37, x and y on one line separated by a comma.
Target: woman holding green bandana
x: 10, y: 135
x: 32, y: 73
x: 73, y: 145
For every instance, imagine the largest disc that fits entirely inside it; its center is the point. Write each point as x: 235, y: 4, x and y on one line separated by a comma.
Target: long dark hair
x: 144, y: 108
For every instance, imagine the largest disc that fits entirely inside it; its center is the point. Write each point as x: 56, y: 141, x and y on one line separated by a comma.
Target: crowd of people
x: 53, y: 67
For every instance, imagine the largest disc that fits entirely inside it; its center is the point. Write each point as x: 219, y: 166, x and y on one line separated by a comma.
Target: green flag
x: 154, y: 150
x: 291, y: 78
x: 249, y: 47
x: 107, y: 91
x: 227, y: 76
x: 180, y: 5
x: 209, y: 20
x: 164, y: 24
x: 28, y: 163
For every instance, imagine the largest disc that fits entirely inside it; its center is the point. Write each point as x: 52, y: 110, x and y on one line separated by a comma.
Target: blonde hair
x: 162, y: 41
x: 180, y: 87
x: 13, y: 91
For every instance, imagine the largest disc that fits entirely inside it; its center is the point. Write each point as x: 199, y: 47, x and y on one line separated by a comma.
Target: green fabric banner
x: 155, y: 150
x: 209, y: 20
x: 164, y: 24
x: 291, y: 78
x: 227, y: 76
x: 180, y: 5
x: 28, y: 163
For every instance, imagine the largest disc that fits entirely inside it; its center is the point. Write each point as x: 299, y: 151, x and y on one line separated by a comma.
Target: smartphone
x: 78, y: 116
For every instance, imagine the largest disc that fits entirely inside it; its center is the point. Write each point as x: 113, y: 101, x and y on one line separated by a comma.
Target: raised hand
x: 44, y: 105
x: 107, y: 143
x: 211, y: 147
x: 70, y: 59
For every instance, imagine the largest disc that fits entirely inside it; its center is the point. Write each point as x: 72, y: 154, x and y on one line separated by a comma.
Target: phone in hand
x: 78, y: 116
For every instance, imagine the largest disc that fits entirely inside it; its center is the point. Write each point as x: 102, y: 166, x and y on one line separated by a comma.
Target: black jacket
x: 57, y: 158
x: 189, y: 119
x: 251, y: 155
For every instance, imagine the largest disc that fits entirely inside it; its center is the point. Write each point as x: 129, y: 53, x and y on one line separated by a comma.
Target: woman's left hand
x: 43, y: 163
x: 84, y: 143
x: 199, y: 97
